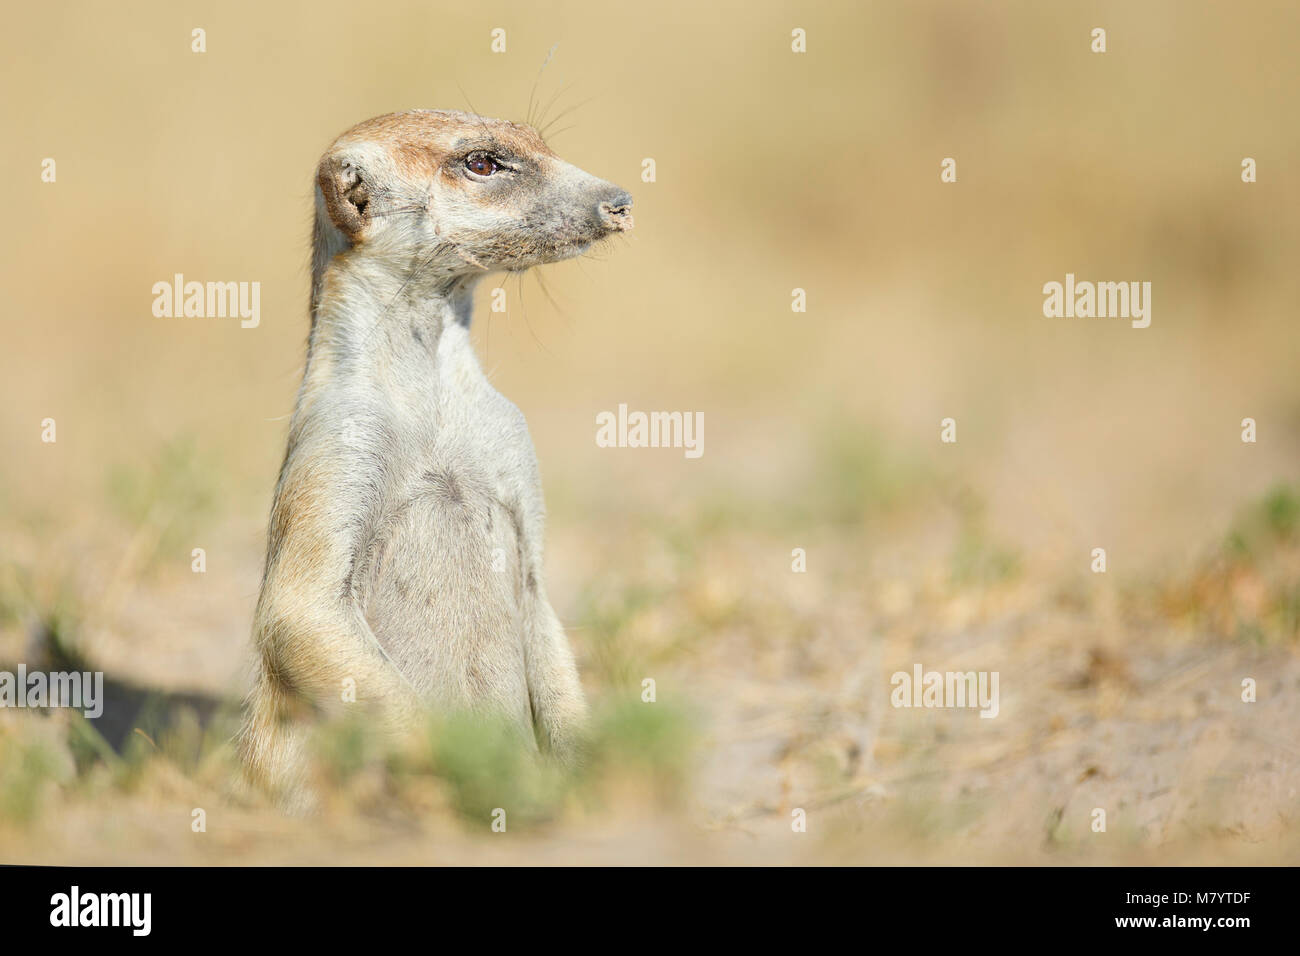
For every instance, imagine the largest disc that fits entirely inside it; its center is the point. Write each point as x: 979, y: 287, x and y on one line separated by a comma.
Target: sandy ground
x: 786, y: 680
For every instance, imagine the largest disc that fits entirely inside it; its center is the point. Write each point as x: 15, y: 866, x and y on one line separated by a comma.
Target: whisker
x: 379, y: 323
x: 398, y: 211
x: 563, y: 131
x: 529, y: 325
x: 551, y: 102
x: 546, y: 291
x: 528, y: 117
x: 473, y: 112
x: 563, y: 113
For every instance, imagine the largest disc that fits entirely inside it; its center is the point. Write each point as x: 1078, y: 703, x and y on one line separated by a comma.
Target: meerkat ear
x: 346, y: 194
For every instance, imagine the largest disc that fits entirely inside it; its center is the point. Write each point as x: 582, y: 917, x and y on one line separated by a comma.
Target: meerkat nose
x: 616, y: 212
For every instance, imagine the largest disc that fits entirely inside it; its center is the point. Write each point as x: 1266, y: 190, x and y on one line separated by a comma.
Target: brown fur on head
x: 458, y: 194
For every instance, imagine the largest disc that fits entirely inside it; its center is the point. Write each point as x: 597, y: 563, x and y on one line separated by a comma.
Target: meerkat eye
x: 481, y: 164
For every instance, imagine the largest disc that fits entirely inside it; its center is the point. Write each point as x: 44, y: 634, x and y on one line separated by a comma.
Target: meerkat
x: 404, y: 549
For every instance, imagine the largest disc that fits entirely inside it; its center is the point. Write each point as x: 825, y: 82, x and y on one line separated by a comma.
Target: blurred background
x: 774, y: 171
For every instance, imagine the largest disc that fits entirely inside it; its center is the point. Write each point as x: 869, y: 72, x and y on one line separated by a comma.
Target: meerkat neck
x: 362, y: 310
x: 379, y: 329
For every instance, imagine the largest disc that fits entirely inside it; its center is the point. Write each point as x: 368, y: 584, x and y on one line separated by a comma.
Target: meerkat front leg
x: 555, y: 694
x: 315, y: 658
x: 559, y: 708
x: 316, y: 654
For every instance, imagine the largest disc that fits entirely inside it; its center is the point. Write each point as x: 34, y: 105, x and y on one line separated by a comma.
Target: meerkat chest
x: 466, y: 427
x: 461, y: 485
x: 447, y: 556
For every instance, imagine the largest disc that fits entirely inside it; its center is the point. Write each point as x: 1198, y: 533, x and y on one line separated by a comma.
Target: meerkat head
x: 459, y: 195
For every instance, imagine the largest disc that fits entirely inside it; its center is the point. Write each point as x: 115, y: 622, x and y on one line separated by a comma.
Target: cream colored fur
x: 405, y: 544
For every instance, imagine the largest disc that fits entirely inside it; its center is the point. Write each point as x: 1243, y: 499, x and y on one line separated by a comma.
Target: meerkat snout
x: 616, y: 212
